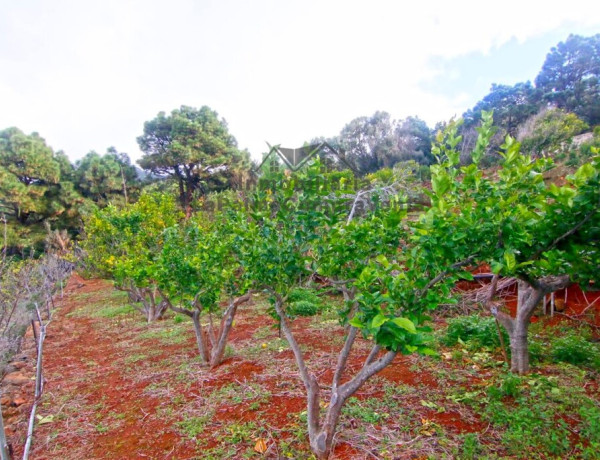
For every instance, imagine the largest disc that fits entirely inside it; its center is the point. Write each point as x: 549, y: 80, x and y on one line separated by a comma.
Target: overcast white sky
x: 87, y: 74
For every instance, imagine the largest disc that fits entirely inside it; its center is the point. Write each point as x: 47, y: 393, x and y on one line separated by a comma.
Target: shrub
x: 471, y: 447
x: 574, y: 348
x: 303, y: 308
x: 536, y: 350
x: 307, y: 295
x: 482, y: 331
x: 509, y: 386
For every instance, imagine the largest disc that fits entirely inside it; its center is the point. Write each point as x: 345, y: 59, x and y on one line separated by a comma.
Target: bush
x: 537, y: 350
x: 474, y: 328
x: 307, y: 295
x: 548, y: 130
x: 574, y: 348
x: 303, y: 302
x: 303, y: 308
x: 509, y: 386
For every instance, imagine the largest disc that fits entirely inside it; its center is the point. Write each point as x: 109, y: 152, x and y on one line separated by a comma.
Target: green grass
x: 142, y: 356
x: 235, y: 393
x: 170, y: 335
x: 191, y: 427
x: 531, y: 412
x: 112, y: 311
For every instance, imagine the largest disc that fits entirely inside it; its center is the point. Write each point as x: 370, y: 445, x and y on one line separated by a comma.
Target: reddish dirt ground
x: 107, y: 405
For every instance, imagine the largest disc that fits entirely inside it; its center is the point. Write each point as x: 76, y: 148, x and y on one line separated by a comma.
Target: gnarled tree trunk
x: 211, y: 345
x: 153, y: 306
x: 530, y: 294
x: 321, y: 431
x: 218, y: 351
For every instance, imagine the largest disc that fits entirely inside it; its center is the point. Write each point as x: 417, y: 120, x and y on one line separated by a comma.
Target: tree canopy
x: 102, y: 177
x: 30, y: 173
x: 378, y: 141
x: 512, y: 105
x: 570, y: 77
x: 194, y: 147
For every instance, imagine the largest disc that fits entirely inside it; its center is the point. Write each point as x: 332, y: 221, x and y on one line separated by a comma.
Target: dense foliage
x: 124, y: 244
x: 195, y: 148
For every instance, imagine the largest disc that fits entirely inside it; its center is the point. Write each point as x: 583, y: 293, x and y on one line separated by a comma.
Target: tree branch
x: 568, y: 233
x: 343, y: 358
x: 445, y: 273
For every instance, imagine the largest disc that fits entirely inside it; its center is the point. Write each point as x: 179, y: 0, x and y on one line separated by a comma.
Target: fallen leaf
x: 46, y: 419
x: 260, y: 446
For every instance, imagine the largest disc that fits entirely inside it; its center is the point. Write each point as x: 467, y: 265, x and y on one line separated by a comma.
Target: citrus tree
x: 124, y: 243
x: 545, y: 235
x: 392, y: 266
x: 196, y: 270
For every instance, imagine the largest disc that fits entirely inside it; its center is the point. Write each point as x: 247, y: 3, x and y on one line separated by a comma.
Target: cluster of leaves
x: 38, y: 185
x: 549, y: 130
x: 197, y: 263
x: 376, y: 142
x: 576, y: 349
x: 193, y: 147
x: 565, y: 344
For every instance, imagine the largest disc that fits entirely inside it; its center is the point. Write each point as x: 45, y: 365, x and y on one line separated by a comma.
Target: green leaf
x: 440, y: 184
x: 382, y: 260
x: 511, y: 261
x: 497, y: 267
x: 356, y: 323
x: 45, y: 419
x: 584, y: 173
x: 428, y: 351
x: 466, y: 276
x: 378, y: 320
x: 405, y: 324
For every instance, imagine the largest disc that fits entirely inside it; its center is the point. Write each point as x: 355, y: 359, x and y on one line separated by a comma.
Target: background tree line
x: 190, y: 152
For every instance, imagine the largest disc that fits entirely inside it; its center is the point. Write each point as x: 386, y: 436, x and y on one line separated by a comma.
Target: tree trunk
x: 321, y: 442
x: 321, y: 435
x: 152, y: 309
x: 157, y: 311
x: 218, y: 351
x: 151, y: 312
x: 519, y: 359
x: 529, y: 297
x: 202, y: 348
x: 189, y: 189
x: 517, y: 327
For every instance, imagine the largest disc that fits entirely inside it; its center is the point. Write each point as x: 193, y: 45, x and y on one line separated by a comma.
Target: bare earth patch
x: 118, y: 388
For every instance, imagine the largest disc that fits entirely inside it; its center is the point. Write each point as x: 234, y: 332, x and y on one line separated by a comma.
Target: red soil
x: 84, y: 367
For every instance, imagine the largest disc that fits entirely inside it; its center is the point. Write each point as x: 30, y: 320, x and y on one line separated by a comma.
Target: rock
x: 18, y: 401
x: 9, y: 369
x: 10, y: 414
x: 18, y: 364
x: 16, y: 378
